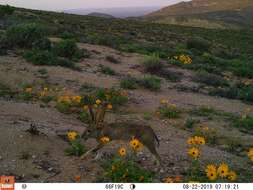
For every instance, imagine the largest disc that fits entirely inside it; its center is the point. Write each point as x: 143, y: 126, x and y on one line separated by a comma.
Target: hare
x: 124, y: 131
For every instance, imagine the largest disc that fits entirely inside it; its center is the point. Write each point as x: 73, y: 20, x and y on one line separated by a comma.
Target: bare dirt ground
x: 41, y: 158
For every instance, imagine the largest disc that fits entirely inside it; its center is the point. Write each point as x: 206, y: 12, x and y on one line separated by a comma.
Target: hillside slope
x: 206, y: 13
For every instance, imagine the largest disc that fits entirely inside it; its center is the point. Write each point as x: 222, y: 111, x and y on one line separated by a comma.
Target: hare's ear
x: 91, y: 113
x: 100, y: 114
x: 103, y: 111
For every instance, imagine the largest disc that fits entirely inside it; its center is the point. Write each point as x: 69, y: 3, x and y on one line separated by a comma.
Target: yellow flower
x: 104, y: 139
x: 45, y: 89
x: 173, y: 106
x: 65, y: 99
x: 163, y: 101
x: 72, y: 135
x: 178, y: 179
x: 114, y: 168
x: 212, y: 175
x: 98, y: 102
x: 199, y: 140
x: 141, y: 178
x: 122, y: 152
x: 210, y: 168
x: 136, y: 144
x: 77, y: 178
x: 168, y: 180
x: 76, y: 99
x: 194, y: 152
x: 109, y: 106
x: 250, y: 154
x: 232, y: 176
x: 85, y: 107
x: 191, y: 141
x: 28, y: 90
x: 223, y: 170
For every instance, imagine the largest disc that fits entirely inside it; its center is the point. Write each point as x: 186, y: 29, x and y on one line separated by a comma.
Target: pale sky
x: 78, y: 4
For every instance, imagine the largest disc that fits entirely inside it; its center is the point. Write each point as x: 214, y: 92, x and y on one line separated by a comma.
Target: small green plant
x: 112, y: 59
x: 107, y: 70
x: 210, y: 134
x: 84, y: 116
x: 118, y: 170
x: 151, y: 82
x: 203, y: 111
x: 190, y: 123
x: 244, y: 123
x: 76, y: 148
x: 147, y: 116
x: 129, y: 83
x: 43, y: 71
x: 152, y: 63
x: 63, y: 107
x: 169, y: 111
x: 113, y: 96
x: 5, y: 91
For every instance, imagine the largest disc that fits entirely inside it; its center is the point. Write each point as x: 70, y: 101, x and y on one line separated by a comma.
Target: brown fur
x: 119, y: 131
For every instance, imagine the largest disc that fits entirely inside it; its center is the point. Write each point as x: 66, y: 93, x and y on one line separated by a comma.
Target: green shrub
x: 152, y: 63
x: 210, y: 79
x: 112, y: 59
x: 199, y: 44
x: 129, y: 83
x: 107, y: 70
x: 68, y: 48
x: 172, y: 76
x: 44, y: 57
x: 6, y: 10
x: 40, y: 57
x: 24, y: 35
x: 5, y: 91
x: 244, y: 123
x: 42, y: 44
x: 151, y: 82
x: 65, y: 63
x: 118, y: 171
x: 3, y: 45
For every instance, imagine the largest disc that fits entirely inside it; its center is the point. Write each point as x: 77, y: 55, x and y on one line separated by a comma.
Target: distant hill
x: 206, y: 13
x: 100, y: 15
x: 118, y: 12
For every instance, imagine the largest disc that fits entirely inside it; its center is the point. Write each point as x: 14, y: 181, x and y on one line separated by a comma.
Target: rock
x: 1, y: 158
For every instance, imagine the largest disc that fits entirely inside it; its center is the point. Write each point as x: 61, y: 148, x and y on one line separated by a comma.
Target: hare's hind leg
x: 152, y: 149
